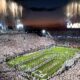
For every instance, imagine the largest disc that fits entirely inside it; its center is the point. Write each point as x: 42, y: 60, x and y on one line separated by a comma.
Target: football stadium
x: 39, y: 40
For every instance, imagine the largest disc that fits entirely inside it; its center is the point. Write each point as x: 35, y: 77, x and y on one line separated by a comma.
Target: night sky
x: 43, y: 12
x: 43, y: 3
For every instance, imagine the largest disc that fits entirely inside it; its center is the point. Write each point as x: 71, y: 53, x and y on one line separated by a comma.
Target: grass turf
x: 47, y: 61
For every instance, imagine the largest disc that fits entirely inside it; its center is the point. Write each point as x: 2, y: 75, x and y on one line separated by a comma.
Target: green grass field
x: 45, y: 63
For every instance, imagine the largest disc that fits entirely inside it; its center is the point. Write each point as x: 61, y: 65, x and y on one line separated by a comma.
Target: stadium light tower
x: 3, y: 14
x: 16, y: 13
x: 72, y: 12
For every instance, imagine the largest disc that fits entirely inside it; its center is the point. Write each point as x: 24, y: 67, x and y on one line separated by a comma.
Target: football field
x: 44, y: 63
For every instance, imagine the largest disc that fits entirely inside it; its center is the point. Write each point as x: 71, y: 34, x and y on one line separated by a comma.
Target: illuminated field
x: 43, y: 64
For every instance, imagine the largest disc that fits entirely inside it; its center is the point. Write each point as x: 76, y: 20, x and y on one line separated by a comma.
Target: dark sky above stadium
x: 43, y: 11
x: 43, y: 3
